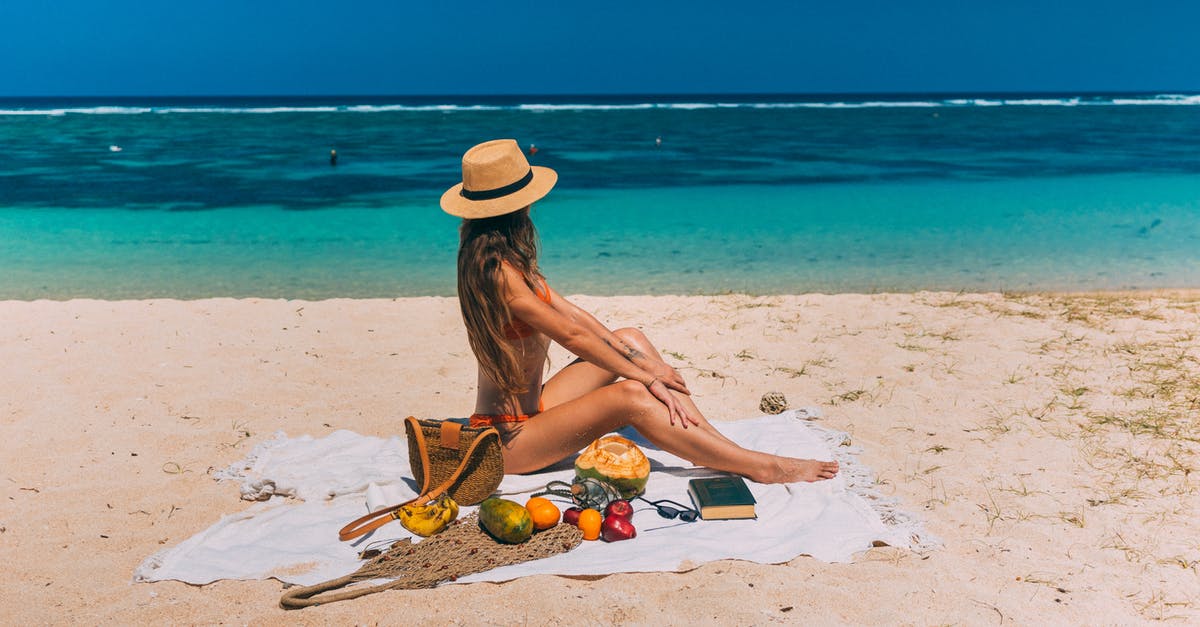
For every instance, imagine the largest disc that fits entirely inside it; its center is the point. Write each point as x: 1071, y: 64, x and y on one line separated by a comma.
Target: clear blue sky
x: 305, y: 47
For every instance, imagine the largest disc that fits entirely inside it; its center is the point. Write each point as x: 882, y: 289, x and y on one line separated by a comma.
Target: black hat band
x: 489, y: 194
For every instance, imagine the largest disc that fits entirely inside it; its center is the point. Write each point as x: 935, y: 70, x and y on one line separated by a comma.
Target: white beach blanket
x: 318, y: 485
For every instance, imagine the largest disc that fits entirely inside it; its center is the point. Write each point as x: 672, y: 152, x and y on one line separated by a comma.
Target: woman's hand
x: 669, y: 377
x: 674, y: 407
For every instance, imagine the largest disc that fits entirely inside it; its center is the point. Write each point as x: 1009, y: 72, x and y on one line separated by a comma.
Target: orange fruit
x: 537, y: 501
x: 543, y: 512
x: 589, y: 524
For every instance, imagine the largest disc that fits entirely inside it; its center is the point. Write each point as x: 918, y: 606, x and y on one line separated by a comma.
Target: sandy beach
x: 1048, y: 440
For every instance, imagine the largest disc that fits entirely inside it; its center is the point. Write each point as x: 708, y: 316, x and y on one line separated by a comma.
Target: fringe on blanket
x: 861, y: 481
x: 251, y: 490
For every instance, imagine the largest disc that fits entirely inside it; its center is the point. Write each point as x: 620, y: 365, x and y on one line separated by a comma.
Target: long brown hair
x: 485, y: 244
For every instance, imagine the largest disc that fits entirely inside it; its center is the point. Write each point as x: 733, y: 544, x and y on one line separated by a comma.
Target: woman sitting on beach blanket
x: 511, y: 314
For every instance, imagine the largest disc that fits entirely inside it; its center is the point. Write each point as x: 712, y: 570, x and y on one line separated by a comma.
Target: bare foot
x: 790, y: 469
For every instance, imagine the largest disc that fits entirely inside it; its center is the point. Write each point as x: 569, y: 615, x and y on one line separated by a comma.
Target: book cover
x: 721, y: 498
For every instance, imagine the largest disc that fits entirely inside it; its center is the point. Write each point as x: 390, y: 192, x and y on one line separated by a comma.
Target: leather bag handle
x: 374, y: 520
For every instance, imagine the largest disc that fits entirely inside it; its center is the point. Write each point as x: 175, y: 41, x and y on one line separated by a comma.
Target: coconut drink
x: 617, y: 461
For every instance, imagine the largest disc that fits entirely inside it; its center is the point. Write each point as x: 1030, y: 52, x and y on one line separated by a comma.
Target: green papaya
x: 506, y: 521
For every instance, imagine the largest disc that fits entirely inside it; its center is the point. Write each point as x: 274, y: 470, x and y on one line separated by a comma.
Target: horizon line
x: 557, y: 95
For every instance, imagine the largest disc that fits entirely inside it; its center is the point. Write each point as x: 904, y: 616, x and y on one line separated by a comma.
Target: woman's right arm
x: 582, y: 341
x: 659, y: 369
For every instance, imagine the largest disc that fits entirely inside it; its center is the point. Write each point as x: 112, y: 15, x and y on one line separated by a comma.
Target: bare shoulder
x: 512, y: 282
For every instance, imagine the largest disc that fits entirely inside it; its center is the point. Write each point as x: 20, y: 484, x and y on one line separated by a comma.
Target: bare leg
x: 580, y: 377
x: 566, y: 428
x: 636, y: 339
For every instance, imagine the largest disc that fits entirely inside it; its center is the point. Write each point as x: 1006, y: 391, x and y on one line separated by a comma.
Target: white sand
x: 1048, y: 440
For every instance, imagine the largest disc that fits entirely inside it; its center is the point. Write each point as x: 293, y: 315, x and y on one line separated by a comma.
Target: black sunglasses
x: 682, y: 512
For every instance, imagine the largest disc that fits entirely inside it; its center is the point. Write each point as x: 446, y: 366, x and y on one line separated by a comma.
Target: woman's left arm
x: 657, y: 367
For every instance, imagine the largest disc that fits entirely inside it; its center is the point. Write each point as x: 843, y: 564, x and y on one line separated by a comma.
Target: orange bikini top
x: 519, y: 329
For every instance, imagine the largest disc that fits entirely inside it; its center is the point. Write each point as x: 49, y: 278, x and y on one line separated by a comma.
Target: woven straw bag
x: 437, y: 448
x: 446, y: 458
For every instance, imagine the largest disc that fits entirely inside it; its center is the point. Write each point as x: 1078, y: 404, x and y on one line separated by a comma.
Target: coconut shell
x: 617, y: 461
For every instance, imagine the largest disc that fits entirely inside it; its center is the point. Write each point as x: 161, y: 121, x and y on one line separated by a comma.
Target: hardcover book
x: 722, y: 498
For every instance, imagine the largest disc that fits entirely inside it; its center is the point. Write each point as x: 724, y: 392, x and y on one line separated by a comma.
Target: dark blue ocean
x: 199, y: 197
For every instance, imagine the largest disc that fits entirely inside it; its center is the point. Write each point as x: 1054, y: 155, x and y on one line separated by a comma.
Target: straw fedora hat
x: 497, y: 179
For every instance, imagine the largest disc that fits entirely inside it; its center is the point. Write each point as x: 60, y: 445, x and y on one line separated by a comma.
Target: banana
x: 430, y: 518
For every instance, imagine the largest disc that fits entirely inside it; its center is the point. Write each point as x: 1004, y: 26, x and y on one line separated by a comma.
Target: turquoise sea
x: 191, y: 198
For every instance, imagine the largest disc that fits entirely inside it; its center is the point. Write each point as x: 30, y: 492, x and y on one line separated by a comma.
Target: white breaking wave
x: 382, y: 108
x: 1048, y: 102
x: 246, y: 109
x: 1165, y: 99
x: 1161, y: 99
x: 977, y: 102
x: 690, y: 106
x: 846, y: 105
x: 584, y: 107
x: 81, y: 110
x: 889, y: 104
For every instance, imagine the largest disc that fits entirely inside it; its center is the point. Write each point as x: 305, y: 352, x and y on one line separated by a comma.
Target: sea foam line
x: 1161, y: 99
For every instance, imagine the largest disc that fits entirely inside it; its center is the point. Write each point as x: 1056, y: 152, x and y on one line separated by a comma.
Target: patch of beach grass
x: 1020, y: 489
x: 1001, y: 420
x: 909, y: 345
x: 935, y: 485
x: 1157, y: 422
x: 871, y: 396
x: 849, y: 396
x: 241, y: 433
x: 1156, y: 606
x: 991, y: 511
x: 713, y: 374
x: 1076, y: 518
x: 817, y: 362
x: 1014, y: 377
x: 1044, y: 579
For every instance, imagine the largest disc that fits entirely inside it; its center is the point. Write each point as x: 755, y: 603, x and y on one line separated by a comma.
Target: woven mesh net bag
x: 464, y: 548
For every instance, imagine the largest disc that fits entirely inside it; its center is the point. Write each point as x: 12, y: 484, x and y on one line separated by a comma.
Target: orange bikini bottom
x: 491, y: 420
